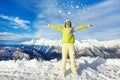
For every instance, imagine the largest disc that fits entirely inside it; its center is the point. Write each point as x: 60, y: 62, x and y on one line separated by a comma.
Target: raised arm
x: 82, y: 27
x: 55, y: 27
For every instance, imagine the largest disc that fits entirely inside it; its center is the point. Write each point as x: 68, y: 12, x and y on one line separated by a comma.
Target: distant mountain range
x: 44, y: 49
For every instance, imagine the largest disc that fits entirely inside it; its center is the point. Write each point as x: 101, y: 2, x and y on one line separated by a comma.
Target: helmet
x: 68, y: 22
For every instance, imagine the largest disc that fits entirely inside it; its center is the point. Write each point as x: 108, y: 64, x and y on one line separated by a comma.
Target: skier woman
x: 68, y: 43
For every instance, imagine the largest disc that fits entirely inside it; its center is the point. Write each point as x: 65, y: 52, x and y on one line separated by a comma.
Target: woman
x: 68, y: 40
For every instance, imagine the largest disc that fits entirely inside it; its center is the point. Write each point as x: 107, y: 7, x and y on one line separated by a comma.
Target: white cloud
x: 17, y: 22
x: 13, y: 36
x: 7, y: 36
x: 5, y: 33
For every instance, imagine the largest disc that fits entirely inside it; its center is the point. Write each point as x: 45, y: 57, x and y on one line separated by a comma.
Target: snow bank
x: 88, y: 69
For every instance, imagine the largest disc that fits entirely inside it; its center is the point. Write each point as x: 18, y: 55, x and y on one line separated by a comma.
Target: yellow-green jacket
x: 67, y: 33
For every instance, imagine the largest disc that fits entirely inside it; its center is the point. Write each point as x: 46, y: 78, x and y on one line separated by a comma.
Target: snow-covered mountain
x: 44, y: 49
x: 43, y: 41
x: 91, y: 47
x: 79, y: 44
x: 88, y: 69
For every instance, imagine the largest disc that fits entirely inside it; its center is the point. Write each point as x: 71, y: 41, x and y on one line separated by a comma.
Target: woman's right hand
x: 48, y: 25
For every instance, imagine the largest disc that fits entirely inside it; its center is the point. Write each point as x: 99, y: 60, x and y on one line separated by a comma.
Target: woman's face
x: 67, y: 26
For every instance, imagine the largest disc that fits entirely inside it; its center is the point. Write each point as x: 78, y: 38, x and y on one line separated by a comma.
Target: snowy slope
x: 88, y: 69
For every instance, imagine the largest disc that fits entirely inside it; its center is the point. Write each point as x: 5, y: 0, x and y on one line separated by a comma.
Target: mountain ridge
x: 44, y: 49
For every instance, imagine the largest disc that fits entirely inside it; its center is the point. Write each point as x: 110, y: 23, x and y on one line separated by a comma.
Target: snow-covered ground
x: 88, y: 69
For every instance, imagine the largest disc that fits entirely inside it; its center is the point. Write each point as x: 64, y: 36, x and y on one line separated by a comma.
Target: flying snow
x: 77, y: 6
x: 69, y: 13
x: 60, y: 11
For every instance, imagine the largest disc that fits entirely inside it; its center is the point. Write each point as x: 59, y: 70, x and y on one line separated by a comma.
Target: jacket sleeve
x: 56, y: 27
x: 81, y: 27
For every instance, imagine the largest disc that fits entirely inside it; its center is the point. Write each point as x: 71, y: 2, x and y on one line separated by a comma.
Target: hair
x: 69, y: 22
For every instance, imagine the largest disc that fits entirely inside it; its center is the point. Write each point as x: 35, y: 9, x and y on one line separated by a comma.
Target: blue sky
x: 25, y: 19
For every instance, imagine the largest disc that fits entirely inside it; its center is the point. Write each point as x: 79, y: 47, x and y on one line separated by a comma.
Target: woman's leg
x: 72, y: 58
x: 64, y: 56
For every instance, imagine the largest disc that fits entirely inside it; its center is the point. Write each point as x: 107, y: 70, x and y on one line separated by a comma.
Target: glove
x: 90, y: 25
x: 48, y: 25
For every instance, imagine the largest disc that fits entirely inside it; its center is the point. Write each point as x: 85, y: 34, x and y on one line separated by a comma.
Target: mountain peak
x: 81, y: 43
